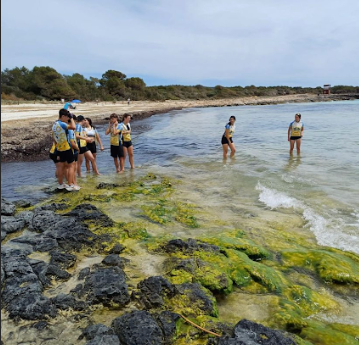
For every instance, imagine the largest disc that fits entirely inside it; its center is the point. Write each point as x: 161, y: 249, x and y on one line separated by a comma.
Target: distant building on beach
x: 326, y: 89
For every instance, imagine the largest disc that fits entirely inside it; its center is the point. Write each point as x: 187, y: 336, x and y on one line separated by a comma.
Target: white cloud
x: 230, y: 42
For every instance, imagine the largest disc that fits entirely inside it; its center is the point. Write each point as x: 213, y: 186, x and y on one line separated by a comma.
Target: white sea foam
x: 327, y: 230
x: 275, y: 199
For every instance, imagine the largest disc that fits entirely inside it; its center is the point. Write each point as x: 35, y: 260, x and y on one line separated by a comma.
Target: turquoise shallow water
x: 318, y: 192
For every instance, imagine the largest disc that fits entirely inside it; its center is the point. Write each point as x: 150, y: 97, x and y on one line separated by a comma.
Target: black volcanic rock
x: 138, y: 327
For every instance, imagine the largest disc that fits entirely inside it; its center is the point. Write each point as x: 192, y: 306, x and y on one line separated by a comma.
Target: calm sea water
x: 317, y: 192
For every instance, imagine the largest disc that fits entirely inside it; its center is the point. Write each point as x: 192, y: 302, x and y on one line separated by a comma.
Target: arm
x: 115, y: 130
x: 78, y: 137
x: 108, y: 130
x: 99, y: 140
x: 302, y: 132
x: 72, y: 124
x: 289, y: 133
x: 74, y: 145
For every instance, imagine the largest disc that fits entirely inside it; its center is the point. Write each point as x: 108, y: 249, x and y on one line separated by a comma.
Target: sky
x: 224, y: 42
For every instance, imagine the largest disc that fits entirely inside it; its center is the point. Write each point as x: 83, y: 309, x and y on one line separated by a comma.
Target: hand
x: 102, y: 148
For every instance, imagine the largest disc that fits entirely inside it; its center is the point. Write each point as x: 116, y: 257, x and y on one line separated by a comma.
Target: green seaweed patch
x: 188, y: 334
x: 166, y: 211
x: 122, y: 231
x: 269, y: 278
x: 332, y: 266
x: 320, y: 333
x: 297, y: 304
x: 184, y: 304
x: 184, y: 214
x: 160, y: 213
x: 347, y: 329
x: 235, y: 240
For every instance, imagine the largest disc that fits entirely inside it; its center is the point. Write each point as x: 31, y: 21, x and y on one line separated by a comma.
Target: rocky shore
x: 63, y: 237
x: 70, y: 274
x: 25, y: 130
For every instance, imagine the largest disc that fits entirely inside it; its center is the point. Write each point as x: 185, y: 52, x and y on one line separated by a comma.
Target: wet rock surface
x: 99, y: 334
x: 22, y: 294
x: 114, y: 260
x: 24, y: 279
x: 250, y: 333
x: 152, y: 291
x: 138, y: 327
x: 85, y: 212
x: 188, y: 246
x: 105, y: 285
x: 7, y: 208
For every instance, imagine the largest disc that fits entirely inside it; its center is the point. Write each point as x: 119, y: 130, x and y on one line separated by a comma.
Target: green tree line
x: 45, y: 83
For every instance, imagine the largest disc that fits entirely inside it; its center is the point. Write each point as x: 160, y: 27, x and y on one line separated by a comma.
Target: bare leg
x: 124, y: 153
x: 299, y: 142
x: 74, y: 167
x: 122, y: 164
x: 292, y: 142
x: 89, y: 156
x: 79, y: 163
x: 130, y: 157
x: 87, y: 165
x: 233, y: 150
x: 60, y: 172
x: 225, y: 150
x: 117, y: 165
x: 70, y: 174
x: 94, y: 156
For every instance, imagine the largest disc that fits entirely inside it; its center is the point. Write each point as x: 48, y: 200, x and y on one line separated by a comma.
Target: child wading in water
x: 295, y: 133
x: 127, y: 142
x: 227, y: 140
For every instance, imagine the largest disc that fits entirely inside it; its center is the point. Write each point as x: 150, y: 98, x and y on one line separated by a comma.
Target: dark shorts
x: 54, y: 157
x: 66, y: 156
x: 225, y: 140
x: 295, y: 138
x: 83, y: 150
x: 127, y: 144
x: 92, y: 147
x: 117, y: 151
x: 76, y: 156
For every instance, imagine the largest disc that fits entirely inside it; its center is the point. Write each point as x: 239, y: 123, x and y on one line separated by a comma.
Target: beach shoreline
x: 26, y: 128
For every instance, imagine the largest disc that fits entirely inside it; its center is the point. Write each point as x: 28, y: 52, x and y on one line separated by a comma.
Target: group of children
x: 75, y: 138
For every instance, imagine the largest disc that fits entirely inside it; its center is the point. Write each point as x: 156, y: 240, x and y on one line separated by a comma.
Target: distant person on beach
x: 127, y: 142
x: 295, y: 133
x: 68, y: 106
x: 227, y: 140
x: 115, y: 130
x: 91, y: 132
x: 65, y: 154
x: 82, y: 141
x: 128, y: 101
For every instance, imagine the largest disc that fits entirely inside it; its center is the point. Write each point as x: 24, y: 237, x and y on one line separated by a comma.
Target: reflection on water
x: 293, y: 162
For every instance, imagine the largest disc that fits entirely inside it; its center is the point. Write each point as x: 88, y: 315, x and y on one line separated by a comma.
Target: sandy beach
x: 25, y: 128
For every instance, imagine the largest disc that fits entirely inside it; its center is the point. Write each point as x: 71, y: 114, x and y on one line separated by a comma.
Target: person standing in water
x: 115, y: 131
x: 227, y: 140
x: 127, y: 143
x: 82, y: 139
x: 295, y: 133
x: 91, y: 132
